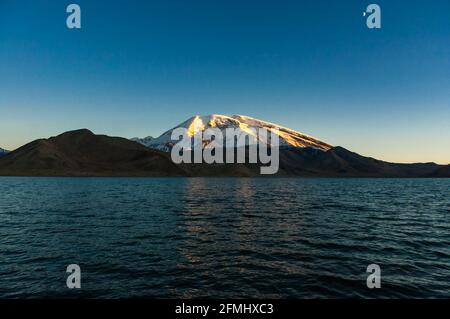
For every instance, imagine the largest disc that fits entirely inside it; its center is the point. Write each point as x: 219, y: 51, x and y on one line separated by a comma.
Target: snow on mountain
x: 144, y: 141
x: 242, y: 124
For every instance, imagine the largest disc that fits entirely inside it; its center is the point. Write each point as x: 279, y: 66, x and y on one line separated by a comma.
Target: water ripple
x: 224, y: 238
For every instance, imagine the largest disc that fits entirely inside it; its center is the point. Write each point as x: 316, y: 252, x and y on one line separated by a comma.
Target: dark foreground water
x: 222, y: 238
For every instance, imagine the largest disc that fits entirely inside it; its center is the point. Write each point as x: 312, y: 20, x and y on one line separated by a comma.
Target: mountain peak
x: 83, y: 153
x: 243, y: 125
x: 75, y: 134
x: 81, y: 131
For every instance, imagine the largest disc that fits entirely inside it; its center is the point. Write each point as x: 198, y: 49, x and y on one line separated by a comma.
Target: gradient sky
x: 138, y: 68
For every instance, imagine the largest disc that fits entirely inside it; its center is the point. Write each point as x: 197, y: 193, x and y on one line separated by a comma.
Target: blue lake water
x: 224, y: 237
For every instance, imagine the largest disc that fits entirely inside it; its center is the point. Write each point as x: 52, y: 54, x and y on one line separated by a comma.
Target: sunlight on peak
x: 196, y: 126
x: 247, y: 124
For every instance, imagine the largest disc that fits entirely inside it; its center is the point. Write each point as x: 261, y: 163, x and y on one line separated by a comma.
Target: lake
x: 224, y: 237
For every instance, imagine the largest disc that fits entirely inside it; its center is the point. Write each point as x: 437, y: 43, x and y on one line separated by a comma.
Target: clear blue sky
x: 138, y: 68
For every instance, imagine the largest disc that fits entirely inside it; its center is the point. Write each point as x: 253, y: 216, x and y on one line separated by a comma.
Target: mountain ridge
x: 242, y: 124
x: 83, y: 153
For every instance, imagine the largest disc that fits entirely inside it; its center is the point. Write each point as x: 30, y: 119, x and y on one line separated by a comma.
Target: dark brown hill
x: 82, y: 153
x: 340, y: 162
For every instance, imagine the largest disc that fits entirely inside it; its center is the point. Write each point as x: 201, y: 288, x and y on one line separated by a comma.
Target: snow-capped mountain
x: 242, y: 124
x: 146, y: 141
x: 83, y: 153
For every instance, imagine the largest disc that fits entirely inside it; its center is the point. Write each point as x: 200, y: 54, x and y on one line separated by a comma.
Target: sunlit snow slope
x: 242, y: 124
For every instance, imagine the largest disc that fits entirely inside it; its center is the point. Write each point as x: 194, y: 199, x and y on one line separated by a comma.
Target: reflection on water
x: 224, y: 237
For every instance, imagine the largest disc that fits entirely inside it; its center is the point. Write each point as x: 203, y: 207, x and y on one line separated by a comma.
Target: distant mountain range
x: 82, y: 153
